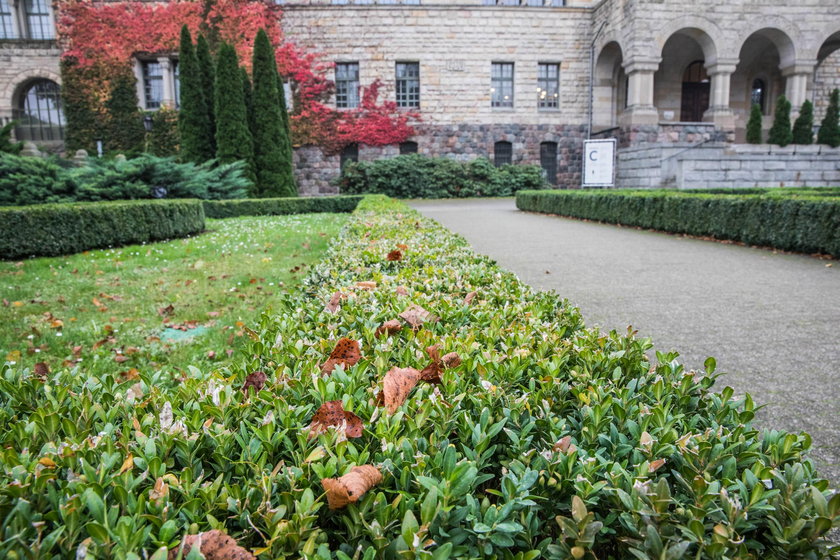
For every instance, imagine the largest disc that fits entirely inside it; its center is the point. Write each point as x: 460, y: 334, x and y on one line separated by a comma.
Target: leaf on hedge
x: 415, y: 316
x: 334, y: 304
x: 346, y: 353
x: 128, y: 464
x: 565, y: 445
x: 213, y: 545
x: 165, y: 417
x: 388, y: 328
x: 656, y: 465
x: 160, y: 490
x: 366, y: 285
x: 451, y: 360
x: 255, y: 380
x: 41, y: 370
x: 396, y: 386
x: 469, y: 297
x: 350, y: 487
x: 395, y: 255
x: 431, y: 373
x: 332, y: 414
x: 645, y: 440
x: 401, y: 291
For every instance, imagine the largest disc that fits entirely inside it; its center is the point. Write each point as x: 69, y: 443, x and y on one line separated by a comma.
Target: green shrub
x: 754, y: 135
x: 418, y: 176
x: 803, y: 128
x: 829, y: 133
x: 164, y: 140
x: 233, y: 134
x: 808, y: 224
x: 62, y: 229
x: 6, y: 144
x: 780, y: 133
x: 31, y: 180
x: 124, y: 132
x: 279, y: 206
x: 197, y: 135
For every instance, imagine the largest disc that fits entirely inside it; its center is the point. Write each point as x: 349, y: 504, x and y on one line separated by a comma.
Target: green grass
x: 107, y: 309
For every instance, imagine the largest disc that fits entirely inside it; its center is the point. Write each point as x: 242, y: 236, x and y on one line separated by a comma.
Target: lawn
x: 162, y: 306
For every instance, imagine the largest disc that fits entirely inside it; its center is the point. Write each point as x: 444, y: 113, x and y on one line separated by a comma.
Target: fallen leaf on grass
x: 415, y: 316
x: 346, y: 353
x: 402, y: 246
x: 255, y: 379
x: 394, y: 255
x: 332, y: 414
x: 350, y: 487
x: 166, y: 311
x: 213, y: 545
x: 129, y: 375
x: 388, y: 328
x: 396, y: 386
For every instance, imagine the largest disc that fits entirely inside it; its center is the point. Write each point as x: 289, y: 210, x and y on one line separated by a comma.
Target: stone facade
x: 21, y: 63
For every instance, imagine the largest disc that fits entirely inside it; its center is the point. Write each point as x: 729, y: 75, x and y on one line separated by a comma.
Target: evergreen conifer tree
x: 754, y: 125
x: 780, y: 133
x: 233, y: 136
x: 272, y: 165
x: 208, y: 80
x: 248, y: 95
x: 803, y: 128
x: 193, y: 121
x: 830, y: 127
x: 124, y: 132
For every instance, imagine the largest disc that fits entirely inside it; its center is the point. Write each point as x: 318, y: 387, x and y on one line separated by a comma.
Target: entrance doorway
x: 696, y: 89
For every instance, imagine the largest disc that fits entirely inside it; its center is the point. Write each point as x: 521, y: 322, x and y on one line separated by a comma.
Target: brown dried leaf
x: 470, y: 296
x: 255, y: 379
x: 396, y: 386
x: 394, y: 255
x: 332, y: 413
x: 350, y: 487
x: 656, y: 465
x: 563, y: 445
x: 451, y: 360
x: 401, y: 291
x: 415, y: 316
x: 213, y: 545
x: 41, y: 370
x: 366, y: 285
x: 346, y: 353
x: 166, y: 311
x: 402, y: 246
x: 389, y: 327
x: 334, y: 304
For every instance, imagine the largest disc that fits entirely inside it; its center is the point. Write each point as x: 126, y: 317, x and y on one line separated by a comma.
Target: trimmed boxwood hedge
x: 279, y: 206
x: 807, y: 222
x: 61, y: 229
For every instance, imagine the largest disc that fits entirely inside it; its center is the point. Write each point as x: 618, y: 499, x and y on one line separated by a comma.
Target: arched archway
x: 609, y: 89
x: 826, y: 74
x: 681, y: 85
x: 38, y: 111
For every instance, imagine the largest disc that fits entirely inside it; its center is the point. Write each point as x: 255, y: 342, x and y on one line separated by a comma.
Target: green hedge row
x: 279, y: 206
x: 61, y: 229
x: 807, y: 224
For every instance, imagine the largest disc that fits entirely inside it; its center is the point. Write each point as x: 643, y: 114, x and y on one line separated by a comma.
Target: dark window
x: 501, y: 84
x: 548, y: 161
x: 39, y: 113
x: 695, y: 92
x: 153, y: 84
x: 347, y: 85
x: 38, y: 22
x: 502, y: 153
x: 176, y: 73
x: 408, y: 148
x: 348, y: 154
x: 759, y: 94
x: 408, y: 84
x: 7, y: 29
x: 548, y: 85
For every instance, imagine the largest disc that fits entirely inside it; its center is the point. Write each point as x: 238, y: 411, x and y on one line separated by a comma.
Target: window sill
x: 30, y: 43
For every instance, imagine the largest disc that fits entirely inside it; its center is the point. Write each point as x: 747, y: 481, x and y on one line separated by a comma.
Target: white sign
x: 599, y: 163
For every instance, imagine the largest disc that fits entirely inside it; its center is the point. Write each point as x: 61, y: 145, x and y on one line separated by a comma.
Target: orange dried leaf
x: 401, y: 291
x: 128, y: 464
x: 470, y: 296
x: 396, y: 386
x: 656, y: 465
x: 389, y: 327
x: 213, y: 545
x: 402, y: 246
x: 415, y: 316
x: 255, y: 379
x: 394, y: 255
x: 366, y: 285
x: 332, y: 414
x: 350, y: 487
x: 346, y: 353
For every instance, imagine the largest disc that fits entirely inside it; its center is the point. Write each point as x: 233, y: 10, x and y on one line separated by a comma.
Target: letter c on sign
x: 592, y: 155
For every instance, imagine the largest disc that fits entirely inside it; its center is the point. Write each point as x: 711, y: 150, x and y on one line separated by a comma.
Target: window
x: 758, y: 94
x: 348, y: 154
x: 176, y: 73
x: 501, y: 84
x: 548, y: 85
x: 502, y: 153
x: 152, y: 85
x: 548, y: 161
x: 408, y: 148
x: 38, y: 20
x: 408, y: 85
x: 347, y: 85
x: 39, y: 113
x: 7, y: 30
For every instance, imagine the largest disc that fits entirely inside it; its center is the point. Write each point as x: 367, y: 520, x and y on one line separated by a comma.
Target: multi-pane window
x: 548, y: 85
x: 347, y: 85
x: 152, y: 84
x: 38, y: 22
x: 757, y: 95
x: 502, y: 153
x: 501, y: 84
x: 408, y: 147
x: 7, y: 29
x: 39, y: 115
x: 408, y: 84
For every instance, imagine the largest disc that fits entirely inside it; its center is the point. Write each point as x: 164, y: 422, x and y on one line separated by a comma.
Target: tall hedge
x: 164, y: 140
x: 830, y: 127
x: 271, y: 156
x: 193, y: 121
x: 754, y: 135
x: 83, y: 125
x: 233, y: 135
x: 780, y: 133
x: 803, y: 128
x: 207, y: 71
x: 124, y: 132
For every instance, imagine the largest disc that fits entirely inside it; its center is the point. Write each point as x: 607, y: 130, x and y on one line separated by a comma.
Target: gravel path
x: 771, y: 320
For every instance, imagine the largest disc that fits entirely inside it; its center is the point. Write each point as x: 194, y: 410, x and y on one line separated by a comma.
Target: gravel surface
x: 771, y: 320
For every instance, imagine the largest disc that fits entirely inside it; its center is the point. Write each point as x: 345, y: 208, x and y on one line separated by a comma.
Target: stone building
x: 526, y: 81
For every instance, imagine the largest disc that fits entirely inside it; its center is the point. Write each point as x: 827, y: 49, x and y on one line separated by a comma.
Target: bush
x: 829, y: 133
x: 418, y: 176
x: 803, y: 127
x: 62, y: 229
x: 754, y: 135
x: 279, y: 206
x: 29, y: 180
x: 808, y: 224
x: 780, y: 133
x: 164, y: 140
x: 6, y: 144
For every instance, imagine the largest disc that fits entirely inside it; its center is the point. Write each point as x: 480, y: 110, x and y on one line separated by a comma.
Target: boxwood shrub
x: 62, y: 229
x: 279, y: 206
x: 807, y: 222
x: 418, y: 176
x: 549, y: 440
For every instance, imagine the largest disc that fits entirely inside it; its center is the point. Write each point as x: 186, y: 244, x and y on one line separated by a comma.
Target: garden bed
x: 806, y: 221
x: 548, y: 439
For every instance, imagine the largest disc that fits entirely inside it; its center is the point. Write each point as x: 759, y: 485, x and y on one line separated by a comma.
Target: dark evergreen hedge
x: 61, y: 229
x: 279, y: 206
x: 808, y: 224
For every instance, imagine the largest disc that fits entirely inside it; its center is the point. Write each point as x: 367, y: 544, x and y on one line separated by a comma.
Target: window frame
x: 149, y: 104
x: 497, y: 83
x: 343, y: 99
x: 543, y: 104
x: 406, y: 99
x: 24, y: 112
x: 45, y: 25
x: 8, y: 25
x: 499, y: 155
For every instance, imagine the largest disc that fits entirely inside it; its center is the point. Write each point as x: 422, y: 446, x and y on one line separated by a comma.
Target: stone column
x: 640, y: 109
x: 141, y: 92
x: 719, y: 111
x: 168, y: 99
x: 797, y: 78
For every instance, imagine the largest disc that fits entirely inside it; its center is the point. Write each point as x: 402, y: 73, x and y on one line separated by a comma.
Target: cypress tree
x: 193, y: 122
x: 830, y: 127
x: 273, y: 168
x: 208, y: 80
x: 754, y: 125
x: 780, y: 132
x: 248, y: 95
x: 233, y: 136
x: 124, y: 130
x: 803, y: 128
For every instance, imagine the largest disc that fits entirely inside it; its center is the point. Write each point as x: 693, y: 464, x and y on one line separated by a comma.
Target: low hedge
x: 806, y: 223
x: 61, y: 229
x: 419, y: 176
x: 279, y: 206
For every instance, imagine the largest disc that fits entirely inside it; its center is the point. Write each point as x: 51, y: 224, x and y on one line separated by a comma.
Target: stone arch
x: 826, y: 72
x: 830, y: 44
x: 780, y: 38
x: 18, y: 84
x: 705, y: 32
x: 608, y: 89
